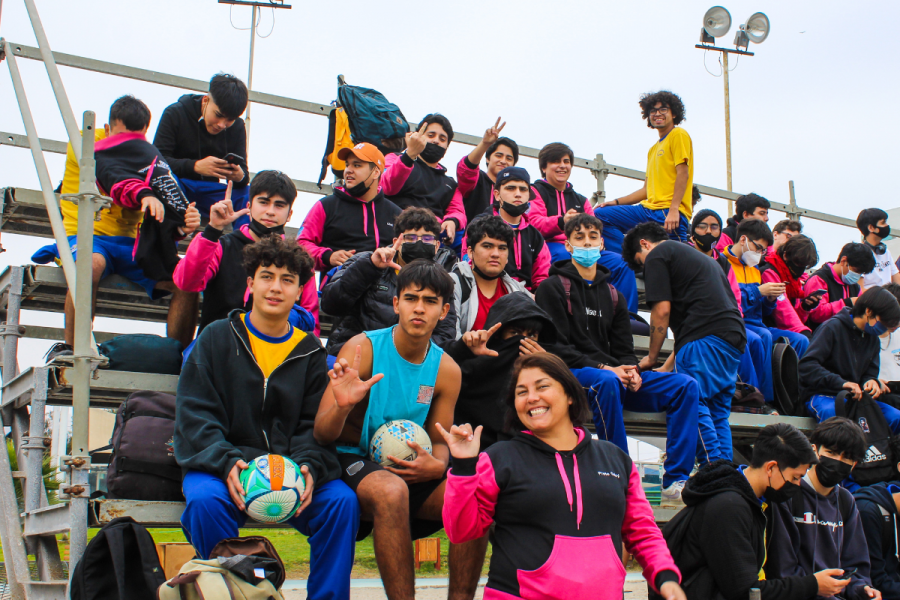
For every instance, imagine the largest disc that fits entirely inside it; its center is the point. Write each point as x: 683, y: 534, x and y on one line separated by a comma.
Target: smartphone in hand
x: 233, y: 159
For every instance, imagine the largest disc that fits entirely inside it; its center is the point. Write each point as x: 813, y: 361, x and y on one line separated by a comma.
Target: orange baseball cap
x: 364, y: 151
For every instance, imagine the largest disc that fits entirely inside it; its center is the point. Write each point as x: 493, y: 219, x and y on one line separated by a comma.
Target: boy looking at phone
x: 203, y: 139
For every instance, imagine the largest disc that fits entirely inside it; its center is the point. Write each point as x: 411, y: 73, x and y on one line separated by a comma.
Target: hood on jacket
x: 192, y: 105
x: 880, y: 494
x: 846, y: 319
x: 584, y: 439
x: 519, y: 305
x: 715, y: 478
x: 566, y: 268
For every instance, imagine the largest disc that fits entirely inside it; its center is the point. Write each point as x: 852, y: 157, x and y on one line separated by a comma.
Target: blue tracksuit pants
x: 620, y: 275
x: 713, y: 362
x: 759, y: 351
x: 617, y: 220
x: 330, y: 522
x: 675, y: 394
x: 822, y: 407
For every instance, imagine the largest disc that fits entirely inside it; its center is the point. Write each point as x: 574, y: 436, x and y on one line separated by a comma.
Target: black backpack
x: 878, y: 465
x: 142, y: 465
x: 143, y: 353
x: 120, y: 563
x: 786, y: 380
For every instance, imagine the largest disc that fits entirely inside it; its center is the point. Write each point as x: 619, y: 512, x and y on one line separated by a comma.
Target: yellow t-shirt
x: 115, y: 221
x: 664, y: 155
x: 270, y: 352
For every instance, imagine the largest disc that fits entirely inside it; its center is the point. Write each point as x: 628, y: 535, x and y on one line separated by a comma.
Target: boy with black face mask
x: 212, y: 264
x: 820, y: 528
x: 872, y: 224
x: 356, y: 217
x: 719, y: 540
x: 361, y: 294
x: 416, y: 177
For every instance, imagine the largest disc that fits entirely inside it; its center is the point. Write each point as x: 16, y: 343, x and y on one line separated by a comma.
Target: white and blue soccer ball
x: 390, y: 440
x: 273, y: 486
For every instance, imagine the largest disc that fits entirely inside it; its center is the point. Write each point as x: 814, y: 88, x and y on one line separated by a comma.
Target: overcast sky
x: 807, y: 107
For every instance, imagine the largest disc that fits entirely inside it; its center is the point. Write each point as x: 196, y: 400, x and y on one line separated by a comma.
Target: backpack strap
x: 115, y: 542
x: 153, y: 572
x: 465, y: 288
x: 567, y: 287
x: 840, y: 404
x: 615, y: 296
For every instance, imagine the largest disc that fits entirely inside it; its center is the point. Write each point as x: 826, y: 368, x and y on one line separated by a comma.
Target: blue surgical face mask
x: 586, y: 256
x: 878, y: 329
x: 850, y: 277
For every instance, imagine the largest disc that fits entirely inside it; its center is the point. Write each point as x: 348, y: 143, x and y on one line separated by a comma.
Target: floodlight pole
x: 250, y: 74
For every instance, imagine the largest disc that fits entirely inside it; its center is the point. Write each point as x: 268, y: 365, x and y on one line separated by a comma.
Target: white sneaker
x: 671, y: 496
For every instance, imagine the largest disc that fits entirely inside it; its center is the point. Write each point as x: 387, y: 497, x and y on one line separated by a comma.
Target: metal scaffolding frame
x: 33, y: 532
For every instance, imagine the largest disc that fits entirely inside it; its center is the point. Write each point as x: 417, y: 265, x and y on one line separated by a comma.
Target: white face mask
x: 750, y: 257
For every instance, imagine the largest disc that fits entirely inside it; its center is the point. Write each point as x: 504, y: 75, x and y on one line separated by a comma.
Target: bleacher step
x: 48, y: 520
x: 49, y: 590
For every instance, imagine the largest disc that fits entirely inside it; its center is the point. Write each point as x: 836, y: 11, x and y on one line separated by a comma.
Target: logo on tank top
x: 425, y: 394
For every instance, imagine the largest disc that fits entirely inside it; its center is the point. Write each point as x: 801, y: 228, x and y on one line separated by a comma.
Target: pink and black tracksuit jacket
x: 549, y: 208
x: 343, y: 222
x: 561, y: 519
x: 413, y: 183
x: 837, y: 294
x: 475, y: 190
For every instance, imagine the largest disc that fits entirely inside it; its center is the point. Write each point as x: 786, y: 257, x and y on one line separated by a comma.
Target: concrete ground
x: 634, y: 590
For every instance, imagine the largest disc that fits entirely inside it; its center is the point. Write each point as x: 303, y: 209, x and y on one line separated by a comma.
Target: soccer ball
x: 273, y: 485
x: 391, y: 438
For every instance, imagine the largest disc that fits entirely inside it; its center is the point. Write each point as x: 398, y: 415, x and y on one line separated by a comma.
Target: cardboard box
x: 173, y: 555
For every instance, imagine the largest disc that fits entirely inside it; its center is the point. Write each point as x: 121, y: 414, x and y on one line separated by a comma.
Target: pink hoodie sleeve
x: 469, y: 502
x: 641, y: 535
x: 785, y: 315
x: 456, y: 210
x: 199, y: 265
x: 827, y: 307
x: 724, y: 242
x: 735, y: 289
x: 309, y: 299
x: 125, y: 193
x: 537, y: 216
x: 466, y: 177
x: 311, y: 235
x: 540, y: 270
x: 396, y: 172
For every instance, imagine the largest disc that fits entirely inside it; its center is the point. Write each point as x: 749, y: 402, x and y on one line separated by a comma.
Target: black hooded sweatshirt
x: 881, y: 537
x: 838, y: 353
x: 183, y: 139
x: 228, y: 411
x: 596, y: 330
x: 718, y: 540
x: 485, y: 379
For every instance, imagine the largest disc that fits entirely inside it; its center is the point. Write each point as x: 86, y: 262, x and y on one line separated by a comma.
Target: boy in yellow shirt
x: 666, y: 197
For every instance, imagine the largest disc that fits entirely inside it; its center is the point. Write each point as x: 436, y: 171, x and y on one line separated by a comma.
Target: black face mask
x: 410, y: 251
x: 782, y: 494
x: 484, y: 275
x: 705, y: 242
x: 432, y: 153
x: 883, y: 232
x: 262, y: 231
x: 359, y: 190
x: 831, y: 472
x: 514, y: 210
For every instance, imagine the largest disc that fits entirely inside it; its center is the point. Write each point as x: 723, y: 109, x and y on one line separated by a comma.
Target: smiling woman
x: 571, y: 551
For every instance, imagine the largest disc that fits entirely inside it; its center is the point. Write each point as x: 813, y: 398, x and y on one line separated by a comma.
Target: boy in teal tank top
x: 390, y: 374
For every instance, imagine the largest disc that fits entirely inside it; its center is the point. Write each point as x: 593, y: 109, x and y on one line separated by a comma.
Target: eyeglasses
x: 663, y: 110
x: 412, y: 238
x: 704, y: 226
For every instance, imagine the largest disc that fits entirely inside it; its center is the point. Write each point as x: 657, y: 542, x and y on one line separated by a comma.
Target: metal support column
x: 250, y: 74
x: 89, y: 201
x: 599, y: 197
x: 11, y: 332
x: 727, y: 131
x: 59, y: 90
x: 793, y: 213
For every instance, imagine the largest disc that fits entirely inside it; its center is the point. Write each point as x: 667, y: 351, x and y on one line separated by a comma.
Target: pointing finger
x: 228, y: 191
x: 394, y: 265
x: 374, y: 379
x: 501, y: 126
x: 423, y: 128
x: 492, y: 331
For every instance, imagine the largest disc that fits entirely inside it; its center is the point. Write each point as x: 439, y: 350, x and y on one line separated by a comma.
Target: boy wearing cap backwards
x: 356, y: 217
x: 416, y: 177
x: 529, y: 257
x: 213, y: 262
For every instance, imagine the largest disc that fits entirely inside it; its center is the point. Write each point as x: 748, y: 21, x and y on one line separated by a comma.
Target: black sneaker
x: 58, y: 349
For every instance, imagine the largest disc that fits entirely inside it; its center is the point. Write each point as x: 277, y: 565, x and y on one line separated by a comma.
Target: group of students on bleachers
x: 498, y: 313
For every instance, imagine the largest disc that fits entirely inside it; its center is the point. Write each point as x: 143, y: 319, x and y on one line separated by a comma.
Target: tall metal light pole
x: 716, y: 23
x: 253, y: 22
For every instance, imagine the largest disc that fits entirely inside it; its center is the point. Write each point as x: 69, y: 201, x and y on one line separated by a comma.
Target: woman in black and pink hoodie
x: 563, y: 504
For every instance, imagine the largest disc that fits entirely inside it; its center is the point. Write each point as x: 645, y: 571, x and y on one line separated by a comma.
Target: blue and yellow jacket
x: 755, y: 305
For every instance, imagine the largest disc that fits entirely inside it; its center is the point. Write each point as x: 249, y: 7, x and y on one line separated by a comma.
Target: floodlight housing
x: 717, y: 22
x: 757, y: 27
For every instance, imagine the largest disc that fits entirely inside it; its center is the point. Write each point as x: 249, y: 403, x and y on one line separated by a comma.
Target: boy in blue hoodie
x: 878, y: 507
x: 820, y: 528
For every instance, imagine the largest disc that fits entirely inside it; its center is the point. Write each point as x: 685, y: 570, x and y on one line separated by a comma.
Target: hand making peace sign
x: 492, y: 134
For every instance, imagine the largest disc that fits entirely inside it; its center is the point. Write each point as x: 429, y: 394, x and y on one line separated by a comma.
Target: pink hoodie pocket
x: 577, y: 568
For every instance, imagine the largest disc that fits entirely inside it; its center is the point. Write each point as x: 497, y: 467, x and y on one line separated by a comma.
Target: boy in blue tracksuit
x: 594, y: 339
x: 251, y: 387
x: 758, y: 299
x: 690, y: 292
